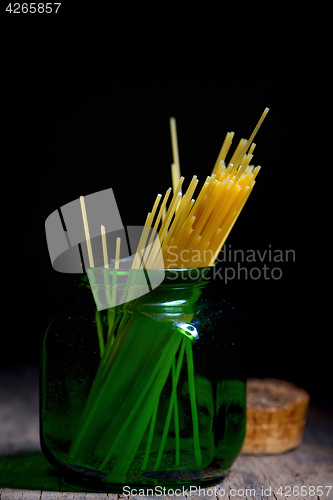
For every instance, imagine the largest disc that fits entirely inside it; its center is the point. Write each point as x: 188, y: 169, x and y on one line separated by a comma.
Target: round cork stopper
x: 275, y: 416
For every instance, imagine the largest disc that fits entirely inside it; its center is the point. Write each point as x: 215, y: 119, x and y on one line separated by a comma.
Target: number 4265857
x: 32, y: 8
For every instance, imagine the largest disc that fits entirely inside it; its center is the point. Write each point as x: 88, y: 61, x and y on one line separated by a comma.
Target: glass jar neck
x: 170, y: 287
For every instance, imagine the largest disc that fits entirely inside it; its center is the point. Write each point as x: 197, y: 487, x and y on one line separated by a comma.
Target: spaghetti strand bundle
x: 199, y: 228
x: 193, y: 228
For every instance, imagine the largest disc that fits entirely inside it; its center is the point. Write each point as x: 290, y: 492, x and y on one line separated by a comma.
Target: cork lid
x: 273, y: 393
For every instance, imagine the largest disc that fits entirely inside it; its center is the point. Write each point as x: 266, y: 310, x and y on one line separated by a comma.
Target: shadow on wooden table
x: 31, y: 471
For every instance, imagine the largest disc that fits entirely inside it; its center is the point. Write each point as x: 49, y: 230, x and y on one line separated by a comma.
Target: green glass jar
x: 147, y: 393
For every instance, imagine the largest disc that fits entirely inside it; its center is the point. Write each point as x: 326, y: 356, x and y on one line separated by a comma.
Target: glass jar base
x: 163, y: 488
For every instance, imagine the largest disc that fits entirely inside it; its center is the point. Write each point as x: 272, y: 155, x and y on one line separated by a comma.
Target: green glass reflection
x: 149, y: 392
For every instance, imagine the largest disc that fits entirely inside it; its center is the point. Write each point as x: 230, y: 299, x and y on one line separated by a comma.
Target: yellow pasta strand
x: 86, y: 230
x: 142, y: 243
x: 116, y: 264
x: 224, y: 151
x: 105, y: 251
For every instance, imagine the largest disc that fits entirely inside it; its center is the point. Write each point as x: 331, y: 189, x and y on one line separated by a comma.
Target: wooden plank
x: 251, y: 477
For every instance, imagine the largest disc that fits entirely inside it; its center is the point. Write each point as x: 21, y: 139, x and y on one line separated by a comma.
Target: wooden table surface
x: 25, y: 473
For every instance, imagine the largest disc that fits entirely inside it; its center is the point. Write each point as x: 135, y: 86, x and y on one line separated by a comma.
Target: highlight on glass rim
x: 145, y: 387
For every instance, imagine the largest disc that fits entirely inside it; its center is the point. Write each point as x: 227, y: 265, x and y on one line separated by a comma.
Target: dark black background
x: 86, y: 96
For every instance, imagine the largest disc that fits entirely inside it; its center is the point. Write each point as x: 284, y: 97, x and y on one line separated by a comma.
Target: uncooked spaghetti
x: 199, y: 228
